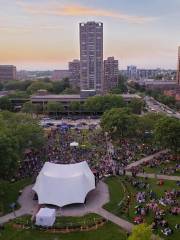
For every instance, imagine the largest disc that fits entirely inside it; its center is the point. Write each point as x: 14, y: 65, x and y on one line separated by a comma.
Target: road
x: 155, y: 106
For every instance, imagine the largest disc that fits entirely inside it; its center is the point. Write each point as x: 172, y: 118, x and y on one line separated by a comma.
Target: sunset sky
x: 44, y: 34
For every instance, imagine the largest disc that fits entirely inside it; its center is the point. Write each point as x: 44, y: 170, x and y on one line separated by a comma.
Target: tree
x: 17, y: 133
x: 19, y: 94
x: 103, y: 103
x: 75, y: 106
x: 167, y: 133
x: 147, y: 124
x: 1, y: 86
x: 9, y: 154
x: 18, y: 85
x: 136, y: 105
x: 60, y: 86
x: 141, y: 232
x: 54, y: 107
x: 5, y: 103
x: 119, y: 122
x: 71, y: 91
x: 38, y: 85
x: 28, y: 107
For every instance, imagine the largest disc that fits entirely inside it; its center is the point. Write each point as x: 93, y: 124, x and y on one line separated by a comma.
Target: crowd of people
x: 149, y: 202
x: 131, y: 151
x: 166, y: 163
x: 94, y: 146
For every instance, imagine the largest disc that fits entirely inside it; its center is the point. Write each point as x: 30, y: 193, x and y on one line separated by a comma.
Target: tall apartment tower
x: 132, y: 72
x: 74, y: 71
x: 111, y: 72
x: 178, y: 68
x: 91, y: 56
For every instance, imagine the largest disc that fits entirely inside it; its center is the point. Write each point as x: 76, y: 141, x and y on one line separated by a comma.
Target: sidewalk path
x: 27, y: 206
x: 157, y: 176
x: 145, y: 159
x: 113, y: 218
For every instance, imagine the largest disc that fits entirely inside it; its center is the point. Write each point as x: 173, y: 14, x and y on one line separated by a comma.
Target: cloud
x: 57, y: 9
x: 28, y: 29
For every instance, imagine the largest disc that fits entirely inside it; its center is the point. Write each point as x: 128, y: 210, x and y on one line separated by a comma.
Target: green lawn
x: 159, y: 168
x: 63, y: 222
x: 108, y: 232
x: 128, y: 211
x: 9, y: 193
x: 116, y: 190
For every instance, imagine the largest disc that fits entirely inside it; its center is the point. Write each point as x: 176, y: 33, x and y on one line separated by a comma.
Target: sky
x: 44, y: 34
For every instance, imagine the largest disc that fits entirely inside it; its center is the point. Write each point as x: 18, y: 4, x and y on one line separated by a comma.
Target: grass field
x: 128, y: 211
x: 9, y: 193
x: 63, y: 222
x: 108, y: 232
x: 162, y: 166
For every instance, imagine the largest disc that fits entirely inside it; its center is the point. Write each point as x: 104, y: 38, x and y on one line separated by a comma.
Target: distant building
x: 91, y: 56
x: 152, y: 84
x: 178, y: 68
x: 74, y: 73
x: 173, y: 93
x: 7, y: 72
x: 131, y: 72
x: 111, y: 72
x: 60, y: 74
x: 66, y: 99
x: 147, y: 73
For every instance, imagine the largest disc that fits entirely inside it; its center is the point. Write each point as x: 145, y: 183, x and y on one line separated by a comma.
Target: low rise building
x: 111, y: 72
x: 8, y: 72
x: 58, y: 75
x: 74, y: 73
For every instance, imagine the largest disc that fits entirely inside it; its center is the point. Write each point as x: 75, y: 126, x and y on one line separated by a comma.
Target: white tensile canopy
x: 74, y: 144
x: 46, y: 217
x: 63, y: 184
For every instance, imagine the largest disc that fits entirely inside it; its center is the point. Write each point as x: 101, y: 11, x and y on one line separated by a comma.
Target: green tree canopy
x: 119, y: 122
x: 38, y: 85
x: 141, y: 232
x: 60, y: 86
x: 136, y: 105
x: 54, y: 107
x: 5, y: 103
x: 103, y: 103
x: 147, y: 124
x: 76, y: 106
x: 167, y: 133
x: 28, y: 107
x: 17, y: 133
x: 17, y: 85
x: 9, y: 154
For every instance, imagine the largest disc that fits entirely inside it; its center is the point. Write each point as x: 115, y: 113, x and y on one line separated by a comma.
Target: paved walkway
x: 113, y: 218
x: 157, y: 176
x: 95, y: 200
x: 145, y: 159
x: 27, y: 206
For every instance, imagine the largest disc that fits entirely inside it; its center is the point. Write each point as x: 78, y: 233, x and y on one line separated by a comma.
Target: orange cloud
x: 78, y: 10
x: 27, y: 29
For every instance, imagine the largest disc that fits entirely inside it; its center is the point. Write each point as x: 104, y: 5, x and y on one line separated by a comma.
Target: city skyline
x: 44, y: 34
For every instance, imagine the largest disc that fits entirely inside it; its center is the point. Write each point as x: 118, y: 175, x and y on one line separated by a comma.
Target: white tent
x: 63, y: 184
x: 74, y: 144
x: 46, y: 217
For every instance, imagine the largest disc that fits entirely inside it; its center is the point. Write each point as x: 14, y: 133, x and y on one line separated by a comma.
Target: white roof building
x: 46, y: 217
x: 63, y: 184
